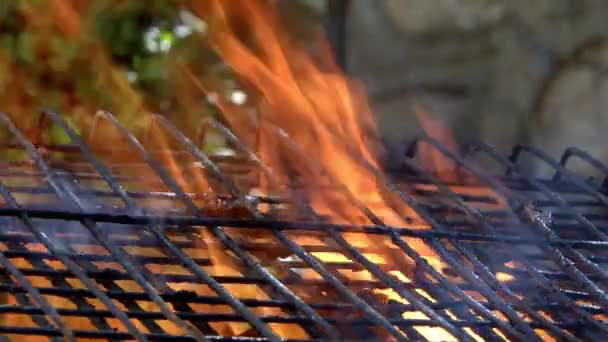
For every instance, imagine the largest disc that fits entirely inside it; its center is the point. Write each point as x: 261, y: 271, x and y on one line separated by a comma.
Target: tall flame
x: 327, y: 117
x: 311, y: 101
x: 432, y: 159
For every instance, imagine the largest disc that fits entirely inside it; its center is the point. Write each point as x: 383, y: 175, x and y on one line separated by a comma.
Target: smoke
x: 72, y: 235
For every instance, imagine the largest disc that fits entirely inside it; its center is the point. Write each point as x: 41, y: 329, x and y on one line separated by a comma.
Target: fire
x: 329, y: 120
x: 432, y: 159
x: 324, y: 113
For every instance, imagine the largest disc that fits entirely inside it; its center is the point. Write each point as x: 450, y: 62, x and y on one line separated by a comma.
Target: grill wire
x: 550, y: 237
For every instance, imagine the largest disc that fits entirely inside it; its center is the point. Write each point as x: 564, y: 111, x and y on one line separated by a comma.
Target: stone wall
x: 503, y: 71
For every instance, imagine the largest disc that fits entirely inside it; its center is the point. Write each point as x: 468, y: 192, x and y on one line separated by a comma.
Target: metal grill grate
x: 120, y: 251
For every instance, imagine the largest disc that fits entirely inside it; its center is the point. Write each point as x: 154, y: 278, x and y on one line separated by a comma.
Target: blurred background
x: 502, y: 71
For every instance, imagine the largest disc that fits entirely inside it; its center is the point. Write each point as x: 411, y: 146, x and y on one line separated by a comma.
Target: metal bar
x: 192, y: 297
x: 45, y: 307
x: 218, y: 288
x: 568, y: 266
x: 116, y: 335
x: 461, y: 311
x: 602, y: 327
x: 23, y: 299
x: 66, y: 195
x: 59, y: 279
x: 444, y: 206
x: 374, y: 269
x: 163, y: 286
x: 560, y: 170
x: 56, y: 279
x: 117, y: 275
x: 497, y: 187
x: 576, y: 152
x: 511, y: 167
x: 237, y: 318
x: 485, y: 289
x: 471, y: 277
x: 514, y: 200
x: 225, y: 239
x: 267, y: 170
x: 364, y: 307
x: 522, y: 304
x: 231, y: 187
x: 71, y: 265
x: 91, y: 226
x: 452, y: 261
x: 137, y: 194
x: 182, y: 220
x: 122, y: 193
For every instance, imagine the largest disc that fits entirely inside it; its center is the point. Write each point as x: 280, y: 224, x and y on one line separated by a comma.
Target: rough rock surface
x: 573, y: 109
x: 488, y: 69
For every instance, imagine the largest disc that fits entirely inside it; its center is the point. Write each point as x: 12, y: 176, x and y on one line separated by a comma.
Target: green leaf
x: 65, y: 53
x: 151, y: 69
x: 58, y: 136
x: 11, y: 155
x: 25, y: 47
x: 7, y: 46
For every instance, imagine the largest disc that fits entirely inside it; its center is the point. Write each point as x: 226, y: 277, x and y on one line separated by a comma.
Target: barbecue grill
x: 105, y: 248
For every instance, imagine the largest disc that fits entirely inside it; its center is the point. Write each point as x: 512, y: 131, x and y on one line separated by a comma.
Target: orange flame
x: 432, y: 159
x: 328, y: 118
x: 323, y: 113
